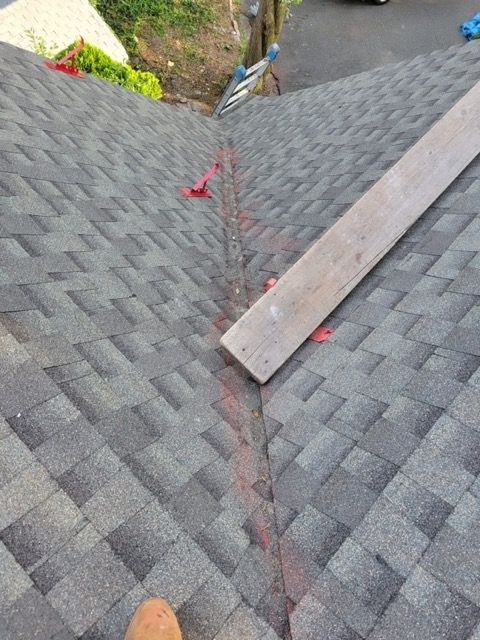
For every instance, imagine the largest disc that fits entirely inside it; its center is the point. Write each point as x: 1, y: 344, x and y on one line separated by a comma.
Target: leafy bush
x: 39, y: 45
x: 126, y: 17
x: 95, y: 61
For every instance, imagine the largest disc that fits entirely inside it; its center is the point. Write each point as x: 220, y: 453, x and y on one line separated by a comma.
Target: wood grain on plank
x: 267, y: 335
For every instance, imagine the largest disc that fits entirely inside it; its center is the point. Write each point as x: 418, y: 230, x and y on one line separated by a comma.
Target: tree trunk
x: 266, y: 29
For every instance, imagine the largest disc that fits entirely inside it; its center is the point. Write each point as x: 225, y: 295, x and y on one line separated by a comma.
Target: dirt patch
x: 193, y: 67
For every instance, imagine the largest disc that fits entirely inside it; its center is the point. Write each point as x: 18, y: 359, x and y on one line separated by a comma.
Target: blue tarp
x: 471, y: 28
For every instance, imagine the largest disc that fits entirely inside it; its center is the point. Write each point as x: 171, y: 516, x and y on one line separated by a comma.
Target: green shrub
x: 95, y: 61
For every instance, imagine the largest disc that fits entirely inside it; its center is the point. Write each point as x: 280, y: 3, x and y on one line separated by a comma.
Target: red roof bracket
x: 321, y: 334
x: 199, y: 189
x: 268, y: 284
x: 61, y: 65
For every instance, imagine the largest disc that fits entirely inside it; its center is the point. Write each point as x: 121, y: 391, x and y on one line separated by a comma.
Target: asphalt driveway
x: 330, y: 39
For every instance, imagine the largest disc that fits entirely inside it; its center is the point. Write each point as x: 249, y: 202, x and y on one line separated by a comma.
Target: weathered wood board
x: 268, y: 333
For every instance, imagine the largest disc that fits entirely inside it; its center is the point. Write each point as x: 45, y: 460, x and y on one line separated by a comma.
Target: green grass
x: 127, y: 17
x: 191, y: 51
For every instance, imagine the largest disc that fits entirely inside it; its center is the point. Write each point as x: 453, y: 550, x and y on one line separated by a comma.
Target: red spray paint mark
x: 235, y: 413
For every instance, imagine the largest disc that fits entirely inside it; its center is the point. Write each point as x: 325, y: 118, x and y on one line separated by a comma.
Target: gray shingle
x: 324, y: 452
x: 14, y: 580
x: 93, y: 396
x: 390, y: 441
x: 196, y: 454
x: 31, y: 616
x: 386, y: 532
x: 209, y: 608
x: 160, y: 471
x: 13, y: 354
x: 456, y: 365
x: 401, y: 617
x: 311, y: 617
x: 433, y: 388
x: 466, y: 408
x: 450, y: 264
x: 398, y: 322
x: 427, y: 511
x: 253, y: 575
x: 458, y: 441
x: 43, y: 421
x: 91, y: 589
x: 416, y: 416
x: 373, y: 471
x: 224, y: 542
x: 431, y: 331
x: 13, y: 299
x: 65, y: 559
x: 217, y: 478
x: 465, y: 516
x: 306, y: 546
x: 180, y: 572
x: 125, y: 432
x: 341, y: 384
x: 453, y: 559
x: 14, y: 457
x: 142, y: 540
x: 350, y: 335
x: 323, y: 404
x: 438, y: 472
x: 295, y: 486
x: 328, y: 358
x: 468, y: 282
x: 360, y: 411
x: 464, y: 339
x: 194, y: 508
x: 68, y: 446
x: 31, y: 487
x: 116, y: 620
x: 52, y: 351
x: 369, y: 314
x: 83, y: 480
x: 42, y: 530
x: 401, y: 281
x: 367, y: 576
x: 119, y: 498
x: 448, y: 612
x: 332, y: 593
x: 245, y: 624
x: 344, y: 498
x: 25, y: 388
x: 388, y: 379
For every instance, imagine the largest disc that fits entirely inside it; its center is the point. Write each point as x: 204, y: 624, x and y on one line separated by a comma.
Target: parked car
x: 380, y: 1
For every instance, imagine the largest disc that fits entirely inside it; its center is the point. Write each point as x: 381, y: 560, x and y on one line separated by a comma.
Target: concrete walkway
x: 57, y: 23
x: 330, y: 39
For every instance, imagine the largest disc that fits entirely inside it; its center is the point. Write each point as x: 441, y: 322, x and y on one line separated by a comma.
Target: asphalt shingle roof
x: 341, y: 500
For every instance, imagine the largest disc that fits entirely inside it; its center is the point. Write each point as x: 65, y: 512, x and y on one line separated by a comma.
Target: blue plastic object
x: 272, y: 51
x: 240, y: 73
x: 471, y: 28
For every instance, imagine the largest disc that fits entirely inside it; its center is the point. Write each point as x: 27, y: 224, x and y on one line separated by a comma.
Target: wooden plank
x: 267, y: 335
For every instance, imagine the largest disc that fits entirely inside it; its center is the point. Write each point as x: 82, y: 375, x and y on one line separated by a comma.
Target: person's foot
x: 153, y: 620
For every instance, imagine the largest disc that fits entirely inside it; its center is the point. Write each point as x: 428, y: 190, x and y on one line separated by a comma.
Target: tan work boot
x: 153, y: 620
